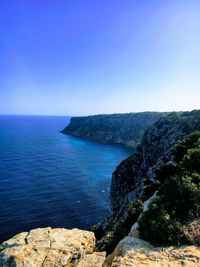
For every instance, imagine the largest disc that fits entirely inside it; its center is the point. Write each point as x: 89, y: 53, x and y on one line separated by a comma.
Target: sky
x: 82, y: 57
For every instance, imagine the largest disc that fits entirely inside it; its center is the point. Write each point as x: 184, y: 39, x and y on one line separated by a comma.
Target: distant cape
x: 126, y: 129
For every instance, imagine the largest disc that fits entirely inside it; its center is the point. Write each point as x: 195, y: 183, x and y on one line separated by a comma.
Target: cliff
x: 51, y: 247
x: 156, y: 147
x: 135, y: 179
x: 155, y: 196
x: 47, y: 247
x: 133, y: 251
x: 126, y: 129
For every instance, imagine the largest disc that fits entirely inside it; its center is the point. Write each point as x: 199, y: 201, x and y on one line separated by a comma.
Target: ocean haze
x: 51, y: 179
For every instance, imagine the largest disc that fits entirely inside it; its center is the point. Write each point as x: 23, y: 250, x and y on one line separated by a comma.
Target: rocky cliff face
x: 133, y: 182
x: 126, y: 129
x: 131, y: 176
x: 135, y: 177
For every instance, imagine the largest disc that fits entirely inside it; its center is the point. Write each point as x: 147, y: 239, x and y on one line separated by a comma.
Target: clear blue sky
x: 81, y: 57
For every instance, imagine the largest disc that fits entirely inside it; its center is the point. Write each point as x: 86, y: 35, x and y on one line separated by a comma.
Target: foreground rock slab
x: 47, y: 247
x: 135, y: 252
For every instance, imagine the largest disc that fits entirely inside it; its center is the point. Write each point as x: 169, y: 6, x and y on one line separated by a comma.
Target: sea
x: 51, y: 179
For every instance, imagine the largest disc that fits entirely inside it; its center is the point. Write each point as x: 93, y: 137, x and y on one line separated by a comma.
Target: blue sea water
x: 51, y: 179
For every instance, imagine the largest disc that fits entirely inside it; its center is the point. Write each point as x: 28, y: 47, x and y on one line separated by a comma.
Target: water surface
x: 51, y: 179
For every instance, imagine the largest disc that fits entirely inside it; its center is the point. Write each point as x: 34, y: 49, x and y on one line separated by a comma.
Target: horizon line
x: 83, y: 115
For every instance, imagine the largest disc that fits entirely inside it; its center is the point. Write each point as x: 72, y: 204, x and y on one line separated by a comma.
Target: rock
x: 126, y: 129
x: 136, y: 178
x: 51, y: 247
x: 95, y: 259
x: 135, y: 227
x: 156, y: 147
x: 47, y: 247
x: 133, y: 251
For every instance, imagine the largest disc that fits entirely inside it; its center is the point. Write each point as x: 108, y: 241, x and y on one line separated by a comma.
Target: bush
x: 191, y: 161
x: 122, y: 228
x: 135, y: 207
x: 178, y: 200
x: 158, y: 226
x: 192, y: 141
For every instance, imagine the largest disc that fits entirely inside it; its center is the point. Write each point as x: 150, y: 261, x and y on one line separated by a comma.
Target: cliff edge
x: 47, y: 247
x: 126, y: 129
x: 136, y: 252
x: 136, y: 178
x: 155, y: 195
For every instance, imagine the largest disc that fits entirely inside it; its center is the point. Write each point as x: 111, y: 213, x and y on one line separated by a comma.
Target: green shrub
x: 158, y: 226
x: 191, y: 161
x: 164, y: 171
x: 178, y: 200
x: 135, y: 207
x: 122, y: 228
x: 192, y: 141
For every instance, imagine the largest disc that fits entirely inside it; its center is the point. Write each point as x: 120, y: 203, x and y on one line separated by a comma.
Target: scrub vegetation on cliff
x: 155, y: 195
x: 178, y: 198
x: 163, y: 162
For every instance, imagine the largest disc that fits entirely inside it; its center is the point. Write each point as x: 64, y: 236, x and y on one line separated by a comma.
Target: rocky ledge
x: 47, y: 247
x: 136, y: 252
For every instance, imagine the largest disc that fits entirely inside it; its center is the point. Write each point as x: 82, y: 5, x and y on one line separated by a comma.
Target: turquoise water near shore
x: 51, y: 179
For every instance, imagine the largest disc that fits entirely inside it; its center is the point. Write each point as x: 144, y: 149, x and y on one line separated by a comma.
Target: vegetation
x: 122, y: 228
x: 126, y: 129
x: 170, y: 215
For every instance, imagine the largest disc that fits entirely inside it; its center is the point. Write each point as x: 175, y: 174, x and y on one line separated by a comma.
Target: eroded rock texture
x: 45, y: 247
x: 135, y: 252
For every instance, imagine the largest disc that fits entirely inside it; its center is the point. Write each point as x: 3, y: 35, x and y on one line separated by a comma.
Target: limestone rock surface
x: 136, y: 252
x: 47, y: 247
